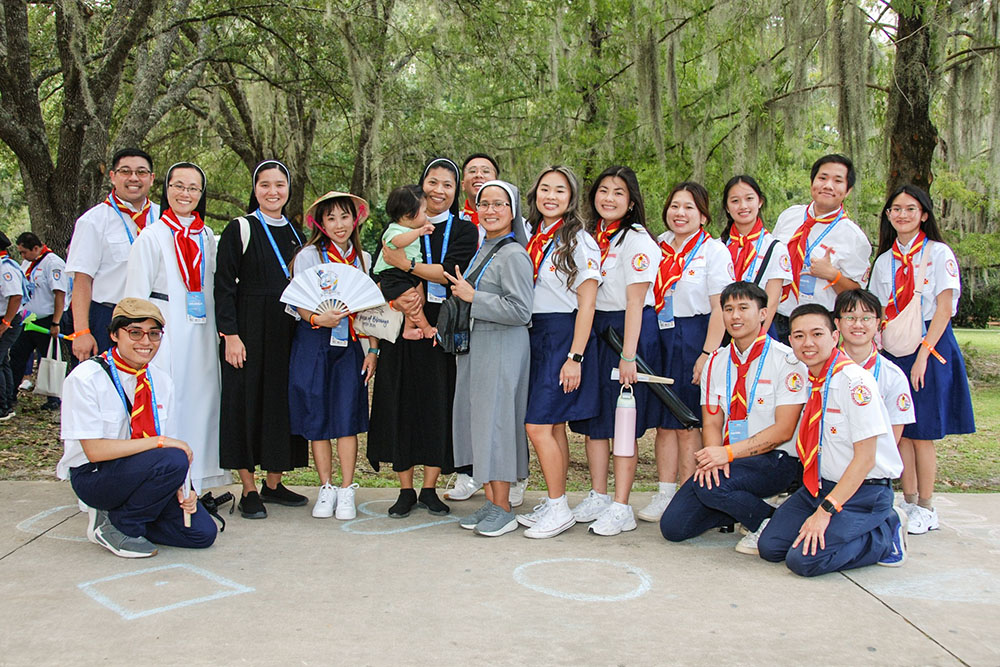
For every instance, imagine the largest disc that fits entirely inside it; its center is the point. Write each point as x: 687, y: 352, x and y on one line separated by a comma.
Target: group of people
x: 769, y: 337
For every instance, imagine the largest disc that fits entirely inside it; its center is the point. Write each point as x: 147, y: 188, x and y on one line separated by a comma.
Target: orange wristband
x: 311, y: 321
x: 835, y: 280
x: 932, y: 351
x: 73, y: 335
x: 836, y: 505
x: 729, y: 451
x: 6, y: 322
x: 159, y: 442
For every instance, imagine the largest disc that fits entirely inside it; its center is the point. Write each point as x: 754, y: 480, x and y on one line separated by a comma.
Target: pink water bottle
x: 624, y: 444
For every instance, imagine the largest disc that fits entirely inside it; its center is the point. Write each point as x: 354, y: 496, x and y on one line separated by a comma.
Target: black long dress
x: 254, y: 428
x: 415, y: 385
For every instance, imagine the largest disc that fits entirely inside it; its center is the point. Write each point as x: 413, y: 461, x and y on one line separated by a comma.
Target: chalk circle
x: 352, y: 526
x: 607, y: 571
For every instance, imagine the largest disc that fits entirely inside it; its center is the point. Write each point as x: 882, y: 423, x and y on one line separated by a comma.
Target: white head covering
x: 516, y: 223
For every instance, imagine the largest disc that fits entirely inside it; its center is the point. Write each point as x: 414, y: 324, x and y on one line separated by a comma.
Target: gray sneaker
x: 121, y: 544
x: 95, y: 518
x: 497, y: 522
x: 470, y: 521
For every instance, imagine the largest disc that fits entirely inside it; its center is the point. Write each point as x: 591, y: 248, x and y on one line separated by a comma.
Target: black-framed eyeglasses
x: 137, y: 334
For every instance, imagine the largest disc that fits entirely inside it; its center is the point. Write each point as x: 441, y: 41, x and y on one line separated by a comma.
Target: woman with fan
x: 411, y: 418
x: 172, y: 264
x: 328, y: 370
x: 254, y: 253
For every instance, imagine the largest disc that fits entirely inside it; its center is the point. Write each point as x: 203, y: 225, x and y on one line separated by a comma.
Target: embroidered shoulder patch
x: 732, y: 272
x: 56, y: 274
x: 592, y: 265
x: 8, y: 276
x: 903, y: 402
x: 794, y: 382
x: 640, y: 262
x: 861, y: 395
x: 785, y: 263
x: 952, y: 268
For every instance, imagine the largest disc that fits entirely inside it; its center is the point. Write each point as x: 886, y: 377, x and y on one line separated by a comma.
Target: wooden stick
x: 644, y: 377
x: 187, y: 492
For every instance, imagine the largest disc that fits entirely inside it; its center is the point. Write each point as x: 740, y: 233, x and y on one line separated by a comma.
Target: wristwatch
x: 828, y: 507
x: 413, y: 265
x: 578, y: 358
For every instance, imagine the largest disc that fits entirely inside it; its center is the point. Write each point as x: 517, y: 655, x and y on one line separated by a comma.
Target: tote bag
x: 902, y: 334
x: 51, y: 371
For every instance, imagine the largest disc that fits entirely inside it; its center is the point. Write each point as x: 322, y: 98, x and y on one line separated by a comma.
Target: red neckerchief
x: 539, y: 242
x: 334, y: 255
x: 186, y: 248
x: 143, y: 421
x: 905, y: 277
x: 738, y: 403
x: 742, y: 248
x: 797, y: 246
x: 140, y: 218
x: 672, y: 266
x: 604, y: 236
x: 470, y: 211
x: 807, y: 443
x: 31, y: 267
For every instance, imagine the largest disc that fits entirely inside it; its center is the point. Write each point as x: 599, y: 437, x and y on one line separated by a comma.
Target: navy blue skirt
x: 680, y: 348
x: 327, y: 397
x: 944, y: 406
x: 648, y: 406
x: 551, y: 338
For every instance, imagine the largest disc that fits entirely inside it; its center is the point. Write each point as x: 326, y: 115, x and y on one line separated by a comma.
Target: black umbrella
x: 662, y: 391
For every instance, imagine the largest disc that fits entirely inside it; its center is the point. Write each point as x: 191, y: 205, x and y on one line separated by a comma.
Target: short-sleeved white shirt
x: 779, y: 265
x: 552, y: 294
x: 92, y: 409
x: 49, y: 275
x: 635, y: 260
x: 854, y: 412
x: 100, y: 248
x: 11, y: 282
x: 783, y: 381
x: 894, y: 387
x: 850, y: 253
x: 941, y: 273
x: 310, y: 256
x: 705, y: 274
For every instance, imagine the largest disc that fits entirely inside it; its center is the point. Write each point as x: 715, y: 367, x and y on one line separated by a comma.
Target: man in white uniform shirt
x: 13, y: 292
x: 99, y: 250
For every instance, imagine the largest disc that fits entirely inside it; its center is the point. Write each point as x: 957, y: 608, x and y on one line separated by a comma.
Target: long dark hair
x: 573, y: 222
x: 319, y: 238
x: 636, y: 213
x: 887, y: 233
x: 202, y: 203
x: 267, y: 165
x: 444, y: 163
x: 730, y: 184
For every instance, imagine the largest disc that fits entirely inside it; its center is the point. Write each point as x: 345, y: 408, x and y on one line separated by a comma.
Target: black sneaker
x: 281, y: 495
x: 429, y: 501
x: 251, y: 506
x: 404, y: 504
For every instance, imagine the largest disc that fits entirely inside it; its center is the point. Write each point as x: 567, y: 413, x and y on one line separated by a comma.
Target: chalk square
x: 155, y: 590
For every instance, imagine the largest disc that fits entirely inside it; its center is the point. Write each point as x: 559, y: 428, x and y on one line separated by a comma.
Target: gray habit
x: 491, y: 390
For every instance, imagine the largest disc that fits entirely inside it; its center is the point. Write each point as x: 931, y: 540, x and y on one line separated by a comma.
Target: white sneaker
x: 748, y: 544
x: 325, y: 502
x: 591, y: 507
x: 654, y: 510
x: 531, y: 518
x: 517, y: 493
x: 464, y: 488
x: 26, y: 385
x: 922, y: 520
x: 556, y: 519
x: 345, y: 502
x: 615, y: 519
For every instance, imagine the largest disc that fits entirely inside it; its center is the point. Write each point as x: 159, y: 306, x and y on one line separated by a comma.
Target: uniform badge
x: 56, y: 274
x: 861, y: 395
x: 951, y: 268
x: 592, y: 265
x: 785, y: 263
x: 640, y: 262
x: 903, y: 402
x: 760, y: 401
x: 732, y: 272
x: 868, y: 273
x: 793, y: 382
x: 690, y: 272
x: 8, y: 276
x: 833, y: 430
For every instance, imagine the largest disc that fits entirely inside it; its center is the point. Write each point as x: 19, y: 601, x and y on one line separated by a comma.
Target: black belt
x: 159, y: 295
x: 885, y: 481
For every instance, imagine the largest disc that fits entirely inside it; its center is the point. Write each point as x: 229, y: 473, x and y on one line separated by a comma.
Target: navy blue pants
x: 100, y: 320
x: 859, y: 535
x: 695, y: 508
x: 139, y: 492
x: 8, y: 390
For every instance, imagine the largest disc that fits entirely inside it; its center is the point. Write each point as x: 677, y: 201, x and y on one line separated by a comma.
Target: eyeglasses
x: 136, y: 334
x: 909, y: 210
x: 865, y: 319
x: 127, y: 173
x: 487, y: 205
x: 190, y: 189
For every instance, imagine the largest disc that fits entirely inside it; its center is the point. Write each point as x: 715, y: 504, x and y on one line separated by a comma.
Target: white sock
x: 668, y: 488
x: 561, y: 501
x: 602, y: 495
x: 621, y: 504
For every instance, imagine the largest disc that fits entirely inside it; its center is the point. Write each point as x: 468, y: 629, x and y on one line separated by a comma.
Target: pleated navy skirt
x: 680, y: 348
x: 327, y: 397
x: 551, y: 336
x: 648, y: 407
x: 944, y: 406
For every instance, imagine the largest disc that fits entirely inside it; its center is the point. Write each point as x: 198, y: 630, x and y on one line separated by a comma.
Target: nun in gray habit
x: 491, y: 390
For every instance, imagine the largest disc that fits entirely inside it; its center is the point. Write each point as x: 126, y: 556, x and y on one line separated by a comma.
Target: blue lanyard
x: 482, y: 271
x: 756, y: 256
x: 892, y: 258
x: 201, y: 247
x: 878, y: 366
x: 548, y: 251
x: 274, y: 246
x: 822, y: 420
x: 694, y: 253
x: 121, y: 391
x: 325, y: 257
x: 114, y: 205
x: 444, y: 243
x: 753, y: 391
x: 809, y: 248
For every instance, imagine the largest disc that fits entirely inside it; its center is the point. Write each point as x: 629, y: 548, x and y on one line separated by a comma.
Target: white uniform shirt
x: 779, y: 265
x: 850, y: 252
x: 855, y: 412
x: 941, y: 273
x: 635, y: 260
x: 100, y: 248
x: 92, y: 409
x: 894, y: 388
x: 309, y: 256
x: 11, y: 283
x: 552, y: 294
x: 783, y: 381
x: 48, y: 275
x: 705, y: 274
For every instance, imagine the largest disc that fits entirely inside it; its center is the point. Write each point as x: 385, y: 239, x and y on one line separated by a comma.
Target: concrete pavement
x: 377, y: 591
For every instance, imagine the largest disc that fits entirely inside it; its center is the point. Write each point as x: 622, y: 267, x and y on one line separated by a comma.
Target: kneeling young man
x: 842, y: 517
x: 751, y: 395
x: 118, y: 455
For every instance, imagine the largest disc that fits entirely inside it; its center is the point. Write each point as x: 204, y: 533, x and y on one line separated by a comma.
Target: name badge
x: 436, y: 293
x: 665, y: 318
x: 196, y: 308
x: 807, y: 284
x: 339, y: 334
x: 737, y: 430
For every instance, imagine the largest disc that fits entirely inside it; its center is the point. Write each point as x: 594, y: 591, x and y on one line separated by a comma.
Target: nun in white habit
x: 491, y: 390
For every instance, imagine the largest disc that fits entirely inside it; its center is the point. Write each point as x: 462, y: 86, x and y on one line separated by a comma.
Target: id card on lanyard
x: 807, y: 282
x: 340, y: 335
x: 739, y: 429
x: 665, y: 318
x: 195, y: 302
x: 436, y: 292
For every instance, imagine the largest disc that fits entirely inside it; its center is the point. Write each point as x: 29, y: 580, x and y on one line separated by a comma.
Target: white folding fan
x: 332, y: 286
